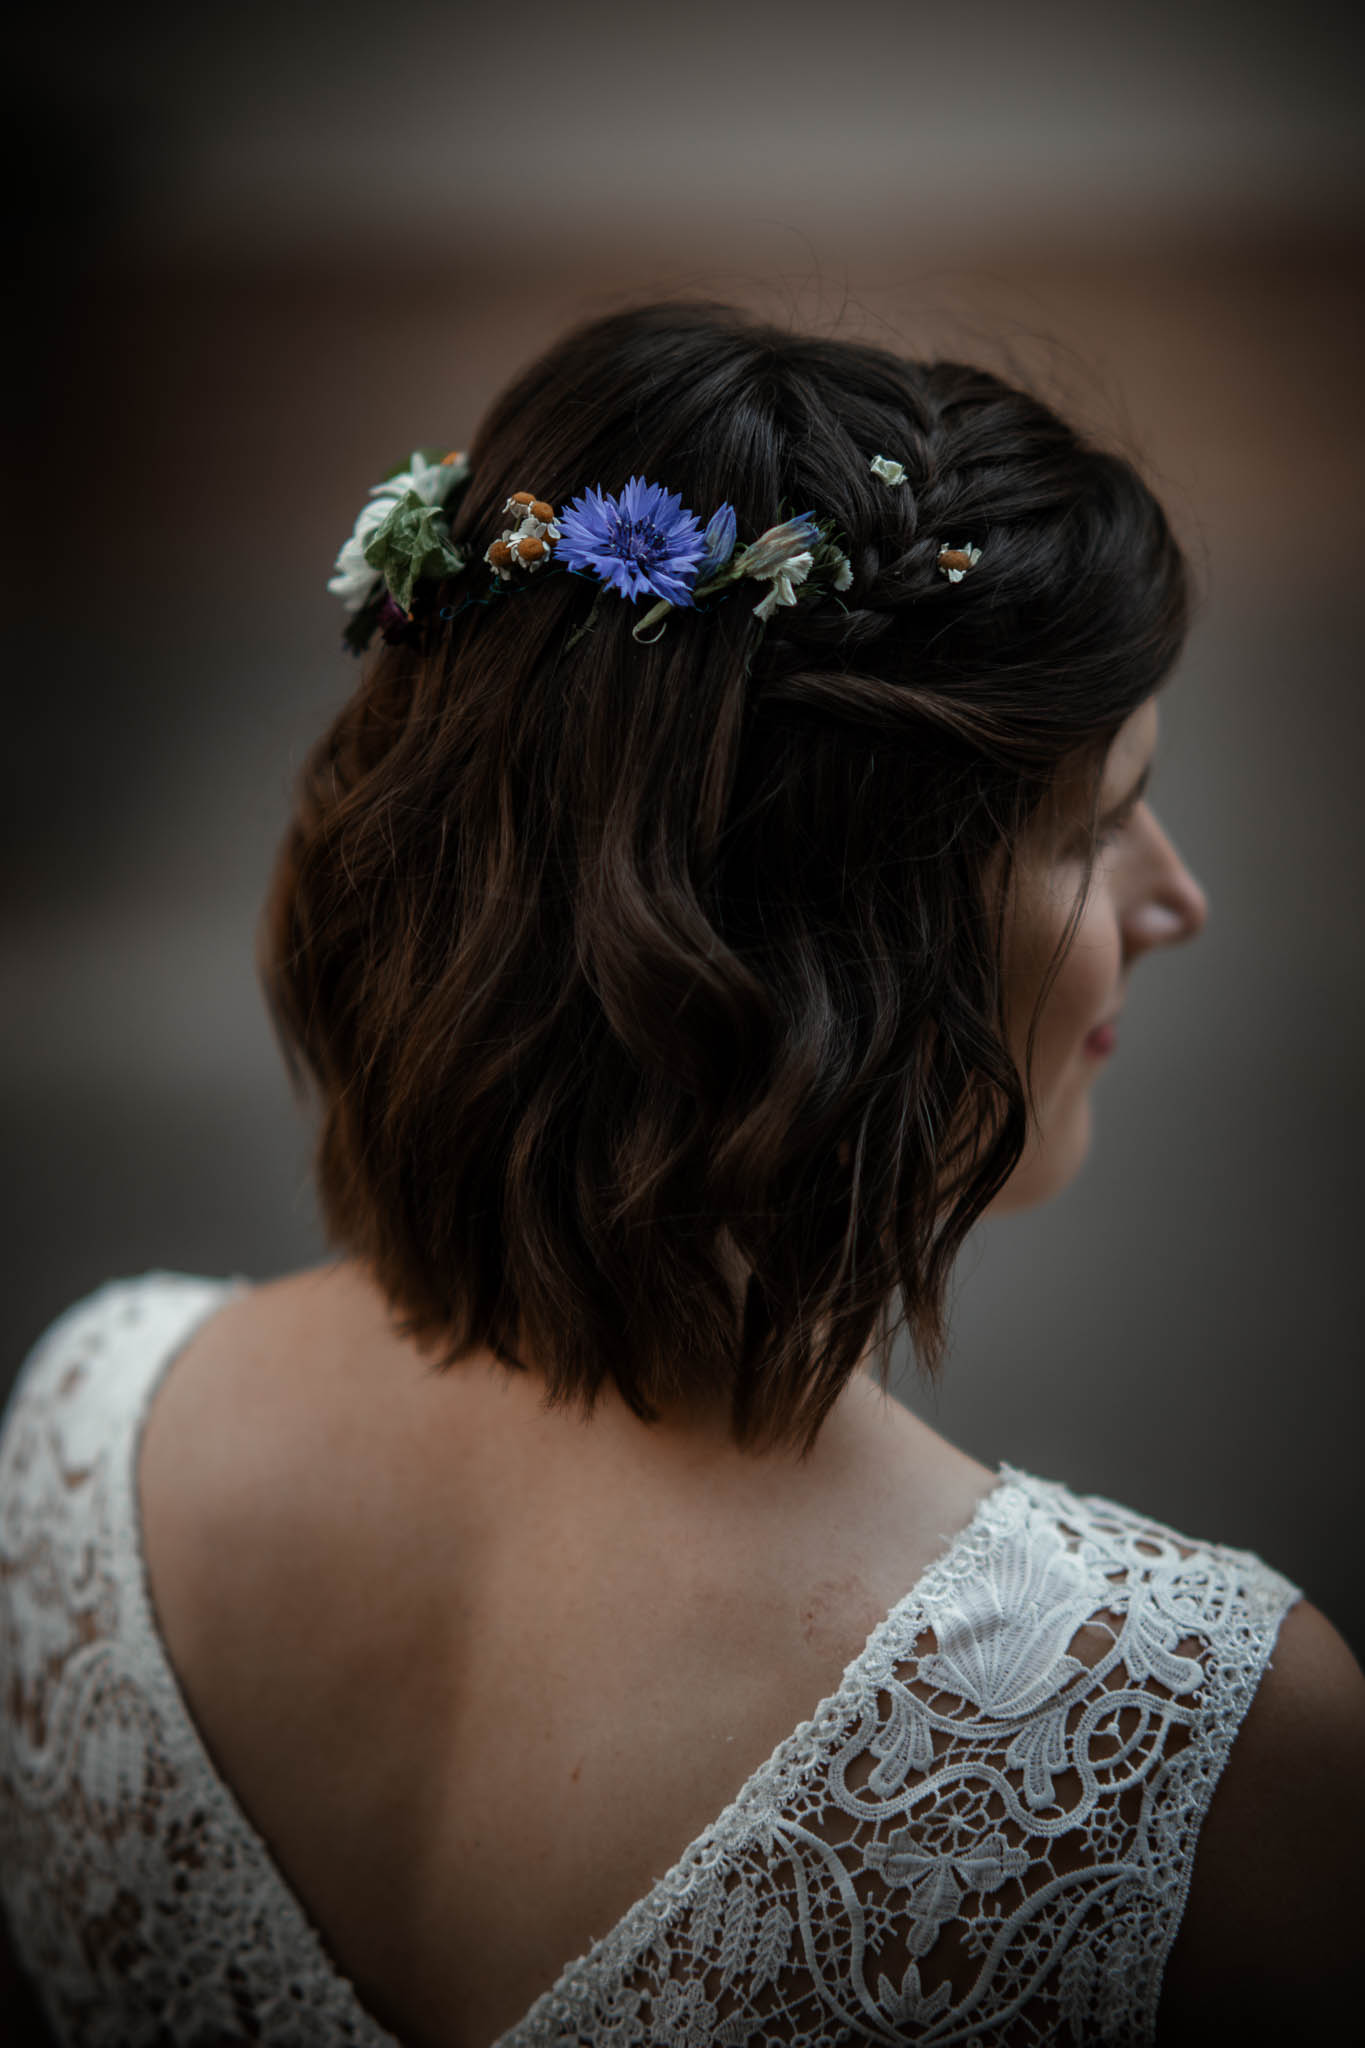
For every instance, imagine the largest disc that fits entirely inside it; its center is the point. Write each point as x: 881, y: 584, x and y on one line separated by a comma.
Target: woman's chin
x: 1055, y: 1153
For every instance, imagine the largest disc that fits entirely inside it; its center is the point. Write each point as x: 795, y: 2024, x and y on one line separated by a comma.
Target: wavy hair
x: 651, y: 996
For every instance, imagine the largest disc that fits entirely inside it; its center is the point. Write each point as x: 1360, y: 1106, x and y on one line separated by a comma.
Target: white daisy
x: 432, y: 481
x: 354, y: 581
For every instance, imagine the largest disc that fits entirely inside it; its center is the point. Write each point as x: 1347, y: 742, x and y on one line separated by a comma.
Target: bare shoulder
x: 1270, y: 1947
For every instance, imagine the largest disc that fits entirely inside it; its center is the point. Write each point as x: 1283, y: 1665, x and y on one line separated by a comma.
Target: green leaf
x: 412, y: 545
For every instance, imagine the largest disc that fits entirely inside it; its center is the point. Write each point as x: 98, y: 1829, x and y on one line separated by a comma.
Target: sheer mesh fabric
x: 984, y: 1835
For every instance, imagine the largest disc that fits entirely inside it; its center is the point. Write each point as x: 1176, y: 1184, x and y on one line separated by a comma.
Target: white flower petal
x: 890, y: 472
x: 428, y: 478
x: 354, y: 581
x: 373, y: 515
x: 776, y: 549
x: 783, y: 579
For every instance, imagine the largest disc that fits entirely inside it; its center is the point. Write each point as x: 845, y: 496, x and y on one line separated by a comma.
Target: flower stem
x: 589, y: 622
x: 653, y: 617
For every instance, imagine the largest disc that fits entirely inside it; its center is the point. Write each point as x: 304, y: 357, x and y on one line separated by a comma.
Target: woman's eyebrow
x: 1133, y: 796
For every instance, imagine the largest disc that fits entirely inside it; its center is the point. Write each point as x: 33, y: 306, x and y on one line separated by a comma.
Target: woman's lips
x: 1101, y: 1040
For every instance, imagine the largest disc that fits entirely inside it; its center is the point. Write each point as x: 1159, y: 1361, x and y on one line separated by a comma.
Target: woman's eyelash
x: 1114, y: 827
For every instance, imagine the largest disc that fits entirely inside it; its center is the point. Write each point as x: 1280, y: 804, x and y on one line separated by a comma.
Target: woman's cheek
x: 1095, y: 965
x: 1083, y: 990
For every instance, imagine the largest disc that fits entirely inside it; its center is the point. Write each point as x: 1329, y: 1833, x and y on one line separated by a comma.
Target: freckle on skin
x: 573, y: 1775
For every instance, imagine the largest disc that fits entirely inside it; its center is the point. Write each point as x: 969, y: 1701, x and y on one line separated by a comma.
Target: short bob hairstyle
x: 652, y: 994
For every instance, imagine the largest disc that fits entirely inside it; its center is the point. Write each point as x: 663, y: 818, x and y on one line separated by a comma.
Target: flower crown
x: 641, y: 542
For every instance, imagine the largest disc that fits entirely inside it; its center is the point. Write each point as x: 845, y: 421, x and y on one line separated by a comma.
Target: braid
x: 986, y: 467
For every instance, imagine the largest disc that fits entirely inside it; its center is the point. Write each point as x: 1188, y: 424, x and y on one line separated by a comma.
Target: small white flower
x: 844, y: 575
x: 432, y: 481
x: 535, y: 519
x: 890, y: 472
x: 498, y: 554
x: 529, y: 559
x: 782, y: 590
x: 957, y: 570
x: 355, y: 582
x: 537, y: 529
x: 504, y: 556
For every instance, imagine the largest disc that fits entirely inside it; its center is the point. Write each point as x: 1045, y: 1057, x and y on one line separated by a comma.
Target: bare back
x: 479, y: 1674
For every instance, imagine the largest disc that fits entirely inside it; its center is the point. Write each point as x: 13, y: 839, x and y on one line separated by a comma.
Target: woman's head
x: 663, y: 1002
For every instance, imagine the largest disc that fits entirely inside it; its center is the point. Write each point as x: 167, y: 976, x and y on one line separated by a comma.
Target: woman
x: 717, y: 895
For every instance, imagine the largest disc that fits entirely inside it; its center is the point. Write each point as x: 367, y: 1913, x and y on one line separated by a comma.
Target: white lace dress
x: 984, y: 1834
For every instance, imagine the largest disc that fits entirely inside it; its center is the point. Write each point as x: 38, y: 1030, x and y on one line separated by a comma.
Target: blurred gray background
x: 265, y: 253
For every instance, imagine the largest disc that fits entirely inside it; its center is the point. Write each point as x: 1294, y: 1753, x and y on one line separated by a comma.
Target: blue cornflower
x: 720, y: 542
x: 637, y: 542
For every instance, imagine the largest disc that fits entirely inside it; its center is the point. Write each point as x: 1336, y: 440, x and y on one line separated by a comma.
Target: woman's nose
x: 1170, y: 905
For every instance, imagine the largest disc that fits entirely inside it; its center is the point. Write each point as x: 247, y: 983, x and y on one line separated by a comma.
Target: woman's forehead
x: 1134, y: 743
x: 1129, y: 752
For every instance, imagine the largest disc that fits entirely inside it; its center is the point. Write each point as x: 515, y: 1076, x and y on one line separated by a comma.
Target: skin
x: 758, y: 1567
x: 610, y: 1518
x: 1141, y: 897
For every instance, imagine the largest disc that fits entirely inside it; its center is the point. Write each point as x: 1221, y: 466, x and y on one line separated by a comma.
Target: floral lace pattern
x: 984, y: 1835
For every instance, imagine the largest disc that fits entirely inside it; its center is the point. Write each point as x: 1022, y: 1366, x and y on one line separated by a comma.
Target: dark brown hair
x: 652, y: 994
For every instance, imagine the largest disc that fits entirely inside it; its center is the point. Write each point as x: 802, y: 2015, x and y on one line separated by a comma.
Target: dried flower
x: 782, y: 588
x: 528, y: 544
x: 785, y: 554
x: 515, y: 550
x: 955, y: 562
x: 831, y: 566
x: 779, y: 546
x: 533, y: 515
x: 431, y: 483
x: 410, y: 544
x: 890, y: 472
